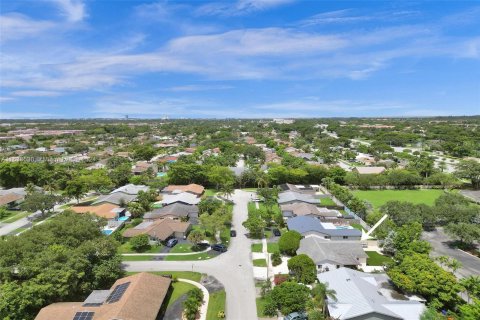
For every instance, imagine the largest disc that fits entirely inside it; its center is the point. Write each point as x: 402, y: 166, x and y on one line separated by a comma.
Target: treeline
x: 62, y: 260
x: 346, y: 197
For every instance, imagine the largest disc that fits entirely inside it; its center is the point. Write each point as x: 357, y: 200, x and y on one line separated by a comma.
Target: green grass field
x: 181, y: 248
x: 190, y: 257
x: 179, y: 289
x: 216, y: 304
x: 379, y: 197
x: 259, y: 263
x: 13, y: 216
x: 257, y: 247
x: 376, y: 259
x: 260, y: 307
x: 272, y: 247
x: 125, y: 248
x: 327, y: 202
x: 137, y: 258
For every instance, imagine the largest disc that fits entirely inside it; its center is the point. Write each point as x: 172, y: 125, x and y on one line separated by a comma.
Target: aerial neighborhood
x: 240, y: 219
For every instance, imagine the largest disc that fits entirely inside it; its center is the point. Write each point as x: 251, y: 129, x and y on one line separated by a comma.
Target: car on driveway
x: 233, y: 233
x: 172, y: 242
x: 276, y: 233
x: 296, y: 316
x: 219, y: 247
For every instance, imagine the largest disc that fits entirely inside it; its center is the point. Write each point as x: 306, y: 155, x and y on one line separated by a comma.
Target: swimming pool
x: 107, y: 232
x: 124, y: 218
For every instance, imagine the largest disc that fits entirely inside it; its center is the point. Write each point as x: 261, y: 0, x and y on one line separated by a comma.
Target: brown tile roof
x: 104, y: 210
x: 10, y: 197
x: 160, y: 229
x: 192, y: 188
x: 141, y: 301
x: 369, y: 170
x: 300, y: 208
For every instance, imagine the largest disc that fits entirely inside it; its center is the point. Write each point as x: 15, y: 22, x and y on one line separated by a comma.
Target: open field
x: 379, y: 197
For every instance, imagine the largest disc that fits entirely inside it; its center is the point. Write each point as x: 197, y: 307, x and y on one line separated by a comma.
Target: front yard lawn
x: 257, y: 247
x: 260, y: 307
x: 376, y: 259
x: 216, y: 304
x: 179, y: 289
x: 182, y: 248
x: 137, y: 258
x: 125, y: 248
x: 189, y: 257
x: 272, y: 247
x: 259, y: 263
x: 13, y: 216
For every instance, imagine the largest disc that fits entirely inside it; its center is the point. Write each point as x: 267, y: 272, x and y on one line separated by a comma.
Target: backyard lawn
x: 379, y: 197
x: 257, y: 247
x: 327, y: 202
x: 216, y: 304
x: 210, y: 192
x: 376, y: 259
x: 259, y: 263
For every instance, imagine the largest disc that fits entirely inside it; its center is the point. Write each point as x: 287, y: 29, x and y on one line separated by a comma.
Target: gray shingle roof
x: 289, y: 196
x: 361, y: 293
x: 304, y: 224
x: 339, y: 252
x: 176, y: 209
x: 115, y: 198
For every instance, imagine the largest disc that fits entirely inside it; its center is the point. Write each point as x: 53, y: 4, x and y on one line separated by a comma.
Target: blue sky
x: 238, y: 59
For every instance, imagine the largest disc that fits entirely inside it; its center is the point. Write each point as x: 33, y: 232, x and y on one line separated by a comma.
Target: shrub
x: 280, y: 278
x: 289, y: 242
x: 276, y: 259
x: 221, y: 315
x: 140, y: 242
x: 192, y: 303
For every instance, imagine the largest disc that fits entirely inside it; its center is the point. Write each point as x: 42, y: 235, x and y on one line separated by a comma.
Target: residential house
x: 305, y: 189
x: 176, y: 211
x: 329, y: 255
x: 122, y: 195
x: 192, y: 188
x: 160, y: 230
x: 105, y: 210
x: 136, y: 297
x: 142, y: 167
x: 310, y: 226
x: 183, y: 197
x: 367, y: 296
x: 11, y: 200
x: 306, y: 209
x: 288, y: 197
x: 369, y: 170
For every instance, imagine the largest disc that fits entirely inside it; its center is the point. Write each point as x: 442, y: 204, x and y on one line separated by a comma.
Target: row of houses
x: 336, y: 248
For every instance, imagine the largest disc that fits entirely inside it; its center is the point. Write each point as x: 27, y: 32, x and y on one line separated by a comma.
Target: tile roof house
x: 160, y: 229
x: 174, y: 211
x: 369, y: 170
x: 367, y: 296
x: 183, y: 197
x: 104, y: 210
x: 329, y: 255
x: 136, y: 297
x: 311, y: 226
x: 193, y: 188
x: 142, y: 166
x: 11, y: 199
x: 287, y: 197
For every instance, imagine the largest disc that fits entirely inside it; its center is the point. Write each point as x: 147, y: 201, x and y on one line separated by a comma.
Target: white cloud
x: 72, y: 10
x: 240, y: 7
x: 5, y: 99
x: 27, y: 115
x: 35, y: 93
x: 14, y: 26
x: 198, y: 87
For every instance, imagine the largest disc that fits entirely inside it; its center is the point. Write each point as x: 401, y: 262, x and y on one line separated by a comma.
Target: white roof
x: 359, y: 294
x: 184, y: 197
x: 131, y: 189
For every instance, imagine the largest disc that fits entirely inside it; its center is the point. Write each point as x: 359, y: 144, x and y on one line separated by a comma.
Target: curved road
x: 233, y: 268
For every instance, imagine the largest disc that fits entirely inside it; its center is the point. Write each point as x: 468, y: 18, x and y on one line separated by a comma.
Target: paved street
x: 9, y: 227
x: 233, y: 269
x: 439, y: 241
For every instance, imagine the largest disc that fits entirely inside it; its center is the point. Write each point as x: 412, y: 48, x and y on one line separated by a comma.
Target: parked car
x: 233, y: 233
x: 276, y: 233
x: 296, y: 316
x: 219, y: 247
x: 172, y: 242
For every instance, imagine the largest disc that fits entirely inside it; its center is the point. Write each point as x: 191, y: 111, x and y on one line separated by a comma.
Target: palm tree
x: 472, y: 286
x: 226, y: 190
x: 321, y: 293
